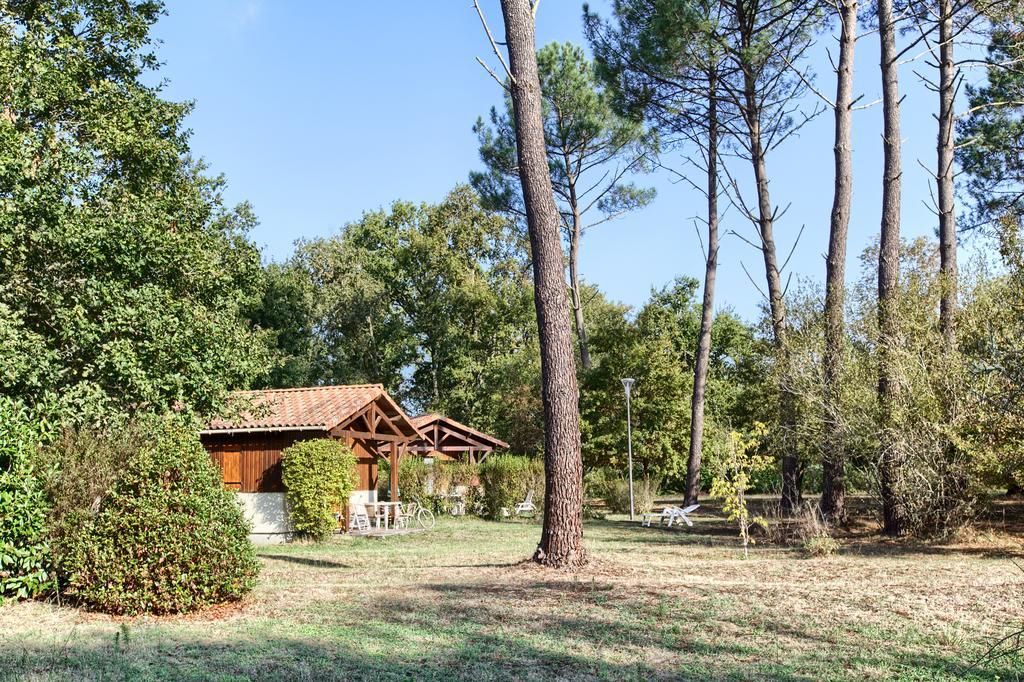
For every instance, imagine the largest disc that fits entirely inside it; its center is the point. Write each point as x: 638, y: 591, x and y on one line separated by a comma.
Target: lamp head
x: 627, y: 384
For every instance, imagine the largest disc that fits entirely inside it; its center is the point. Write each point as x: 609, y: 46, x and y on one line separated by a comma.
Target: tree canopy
x: 123, y: 276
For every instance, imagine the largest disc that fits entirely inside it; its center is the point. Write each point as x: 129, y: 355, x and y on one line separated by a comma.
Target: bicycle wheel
x: 425, y: 518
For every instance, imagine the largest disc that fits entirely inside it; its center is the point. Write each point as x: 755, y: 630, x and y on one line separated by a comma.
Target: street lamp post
x: 628, y: 384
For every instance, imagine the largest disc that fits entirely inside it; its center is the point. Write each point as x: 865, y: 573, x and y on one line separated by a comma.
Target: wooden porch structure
x: 452, y: 439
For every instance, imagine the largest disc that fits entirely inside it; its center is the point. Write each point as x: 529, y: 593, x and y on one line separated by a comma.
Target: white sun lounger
x: 670, y: 514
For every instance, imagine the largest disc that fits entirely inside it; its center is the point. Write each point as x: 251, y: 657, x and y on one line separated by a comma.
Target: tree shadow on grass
x: 485, y: 656
x: 597, y: 613
x: 502, y: 629
x: 305, y: 561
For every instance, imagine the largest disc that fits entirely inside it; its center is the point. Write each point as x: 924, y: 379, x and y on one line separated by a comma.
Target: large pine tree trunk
x: 833, y: 494
x: 700, y: 370
x: 561, y: 541
x: 944, y: 176
x: 892, y: 460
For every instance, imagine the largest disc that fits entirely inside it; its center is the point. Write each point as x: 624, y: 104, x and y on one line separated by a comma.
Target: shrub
x: 814, y: 533
x: 164, y: 538
x: 318, y: 476
x: 432, y: 484
x: 821, y: 546
x: 807, y: 529
x: 614, y: 490
x: 466, y: 476
x: 414, y: 479
x: 506, y: 480
x: 25, y: 562
x: 82, y: 467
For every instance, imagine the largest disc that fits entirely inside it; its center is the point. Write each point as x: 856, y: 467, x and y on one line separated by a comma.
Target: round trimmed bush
x: 165, y: 537
x: 318, y: 476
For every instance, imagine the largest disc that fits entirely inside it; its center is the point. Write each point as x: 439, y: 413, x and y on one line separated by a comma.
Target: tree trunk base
x: 576, y: 559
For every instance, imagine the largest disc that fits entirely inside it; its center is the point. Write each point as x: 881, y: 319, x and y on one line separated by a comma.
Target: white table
x: 387, y: 508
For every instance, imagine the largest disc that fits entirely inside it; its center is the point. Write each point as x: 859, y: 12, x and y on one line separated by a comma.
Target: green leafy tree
x: 357, y: 334
x: 657, y: 349
x: 120, y: 267
x: 591, y: 153
x: 662, y: 60
x: 433, y: 301
x: 286, y: 312
x: 740, y: 463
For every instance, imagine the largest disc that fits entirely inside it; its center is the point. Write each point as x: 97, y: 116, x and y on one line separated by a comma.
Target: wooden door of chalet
x: 231, y: 469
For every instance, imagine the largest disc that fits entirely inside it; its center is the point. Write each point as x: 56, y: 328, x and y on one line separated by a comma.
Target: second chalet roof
x: 425, y: 422
x: 317, y: 407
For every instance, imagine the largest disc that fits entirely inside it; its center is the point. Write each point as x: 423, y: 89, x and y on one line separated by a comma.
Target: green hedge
x: 432, y: 484
x: 25, y: 562
x: 613, y: 488
x: 506, y: 480
x: 165, y: 537
x: 415, y: 480
x: 318, y: 475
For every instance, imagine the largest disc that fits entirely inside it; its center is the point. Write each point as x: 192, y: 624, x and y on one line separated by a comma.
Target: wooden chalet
x: 247, y: 449
x: 446, y: 439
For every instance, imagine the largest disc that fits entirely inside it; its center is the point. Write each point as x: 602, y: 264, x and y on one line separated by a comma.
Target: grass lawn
x: 457, y: 603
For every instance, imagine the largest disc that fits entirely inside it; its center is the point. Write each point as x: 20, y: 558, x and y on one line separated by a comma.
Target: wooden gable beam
x: 383, y: 420
x: 462, y: 436
x: 361, y: 414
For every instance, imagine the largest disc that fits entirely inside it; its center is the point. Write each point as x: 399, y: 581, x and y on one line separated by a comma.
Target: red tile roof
x: 318, y: 407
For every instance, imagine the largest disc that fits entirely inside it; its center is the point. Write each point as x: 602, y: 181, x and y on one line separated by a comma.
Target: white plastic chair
x: 526, y: 505
x: 404, y: 514
x: 676, y: 513
x: 358, y: 519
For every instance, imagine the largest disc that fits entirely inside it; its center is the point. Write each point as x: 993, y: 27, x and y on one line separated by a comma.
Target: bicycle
x: 423, y: 517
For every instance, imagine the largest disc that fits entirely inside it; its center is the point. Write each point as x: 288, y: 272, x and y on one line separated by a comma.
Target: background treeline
x: 127, y: 285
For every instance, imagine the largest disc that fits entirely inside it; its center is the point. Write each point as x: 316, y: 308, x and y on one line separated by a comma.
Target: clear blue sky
x: 318, y: 111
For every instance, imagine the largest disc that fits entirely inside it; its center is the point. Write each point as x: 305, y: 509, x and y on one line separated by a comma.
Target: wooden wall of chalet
x: 251, y: 462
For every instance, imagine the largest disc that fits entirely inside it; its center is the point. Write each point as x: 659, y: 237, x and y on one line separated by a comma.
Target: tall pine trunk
x: 561, y: 541
x: 833, y: 494
x: 776, y: 301
x: 700, y: 370
x: 892, y: 460
x: 944, y: 176
x: 574, y: 280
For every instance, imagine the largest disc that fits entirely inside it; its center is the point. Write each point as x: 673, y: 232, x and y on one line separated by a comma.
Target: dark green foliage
x: 414, y: 480
x: 506, y: 480
x: 286, y: 311
x: 122, y: 274
x: 432, y: 485
x: 318, y: 476
x: 25, y: 562
x: 81, y: 467
x: 165, y: 538
x: 992, y: 135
